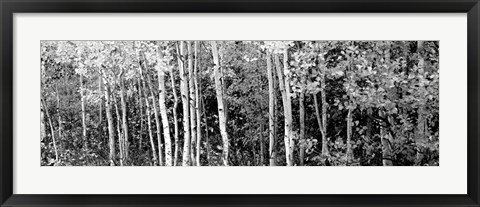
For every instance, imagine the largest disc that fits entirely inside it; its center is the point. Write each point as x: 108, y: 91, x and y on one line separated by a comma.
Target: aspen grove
x: 239, y: 103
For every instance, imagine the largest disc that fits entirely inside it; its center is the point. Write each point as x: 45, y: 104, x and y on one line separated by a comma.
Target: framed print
x: 271, y: 102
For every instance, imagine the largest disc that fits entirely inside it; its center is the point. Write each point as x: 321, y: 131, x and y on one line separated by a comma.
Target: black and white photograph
x: 239, y: 103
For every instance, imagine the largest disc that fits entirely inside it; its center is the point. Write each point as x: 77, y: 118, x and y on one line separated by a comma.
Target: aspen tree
x: 198, y: 94
x: 221, y: 110
x: 271, y: 110
x: 287, y: 107
x: 185, y: 103
x: 163, y: 109
x: 191, y: 89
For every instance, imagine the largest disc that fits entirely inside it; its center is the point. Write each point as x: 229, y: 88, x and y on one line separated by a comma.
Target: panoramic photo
x: 239, y: 103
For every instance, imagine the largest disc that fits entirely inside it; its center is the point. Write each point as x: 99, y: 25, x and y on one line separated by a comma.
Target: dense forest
x: 239, y: 103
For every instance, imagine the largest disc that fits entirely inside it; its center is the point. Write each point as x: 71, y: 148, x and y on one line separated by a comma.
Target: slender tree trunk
x: 163, y: 113
x: 185, y: 104
x: 175, y: 119
x: 150, y: 133
x: 387, y: 150
x: 58, y: 113
x: 271, y: 111
x: 140, y: 105
x: 52, y: 131
x: 206, y: 132
x: 254, y: 154
x: 276, y: 88
x: 100, y: 107
x: 349, y: 136
x: 224, y: 91
x: 111, y: 138
x: 119, y: 133
x: 43, y: 127
x: 125, y: 142
x: 221, y: 112
x: 155, y: 110
x: 284, y: 85
x: 84, y: 124
x: 192, y: 89
x: 324, y: 114
x: 289, y: 119
x: 157, y: 120
x: 302, y: 127
x: 368, y: 131
x: 148, y: 112
x: 149, y: 124
x: 319, y: 118
x: 262, y: 145
x: 198, y: 94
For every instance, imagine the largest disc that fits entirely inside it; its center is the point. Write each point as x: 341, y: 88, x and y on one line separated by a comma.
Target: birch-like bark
x: 286, y: 108
x: 157, y: 119
x: 84, y: 124
x: 163, y: 113
x: 206, y: 132
x: 175, y: 119
x: 221, y: 110
x: 59, y: 117
x: 271, y: 111
x: 198, y: 94
x: 302, y: 127
x: 124, y: 119
x: 43, y: 127
x: 281, y: 83
x: 185, y: 103
x: 192, y: 89
x: 155, y: 110
x: 149, y: 119
x: 148, y: 109
x: 102, y: 103
x: 324, y: 113
x: 119, y: 133
x: 111, y: 137
x: 140, y: 105
x: 289, y: 118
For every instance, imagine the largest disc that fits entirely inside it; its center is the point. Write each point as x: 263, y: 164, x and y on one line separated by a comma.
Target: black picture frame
x: 9, y: 7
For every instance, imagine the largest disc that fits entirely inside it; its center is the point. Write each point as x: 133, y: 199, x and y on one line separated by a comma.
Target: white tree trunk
x: 124, y: 119
x: 157, y: 120
x: 284, y: 84
x: 111, y: 137
x: 221, y: 110
x: 119, y: 133
x: 140, y: 105
x: 84, y: 124
x: 163, y: 113
x: 271, y: 111
x: 185, y: 104
x: 149, y: 119
x: 175, y: 119
x: 191, y: 89
x: 198, y: 93
x: 288, y: 119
